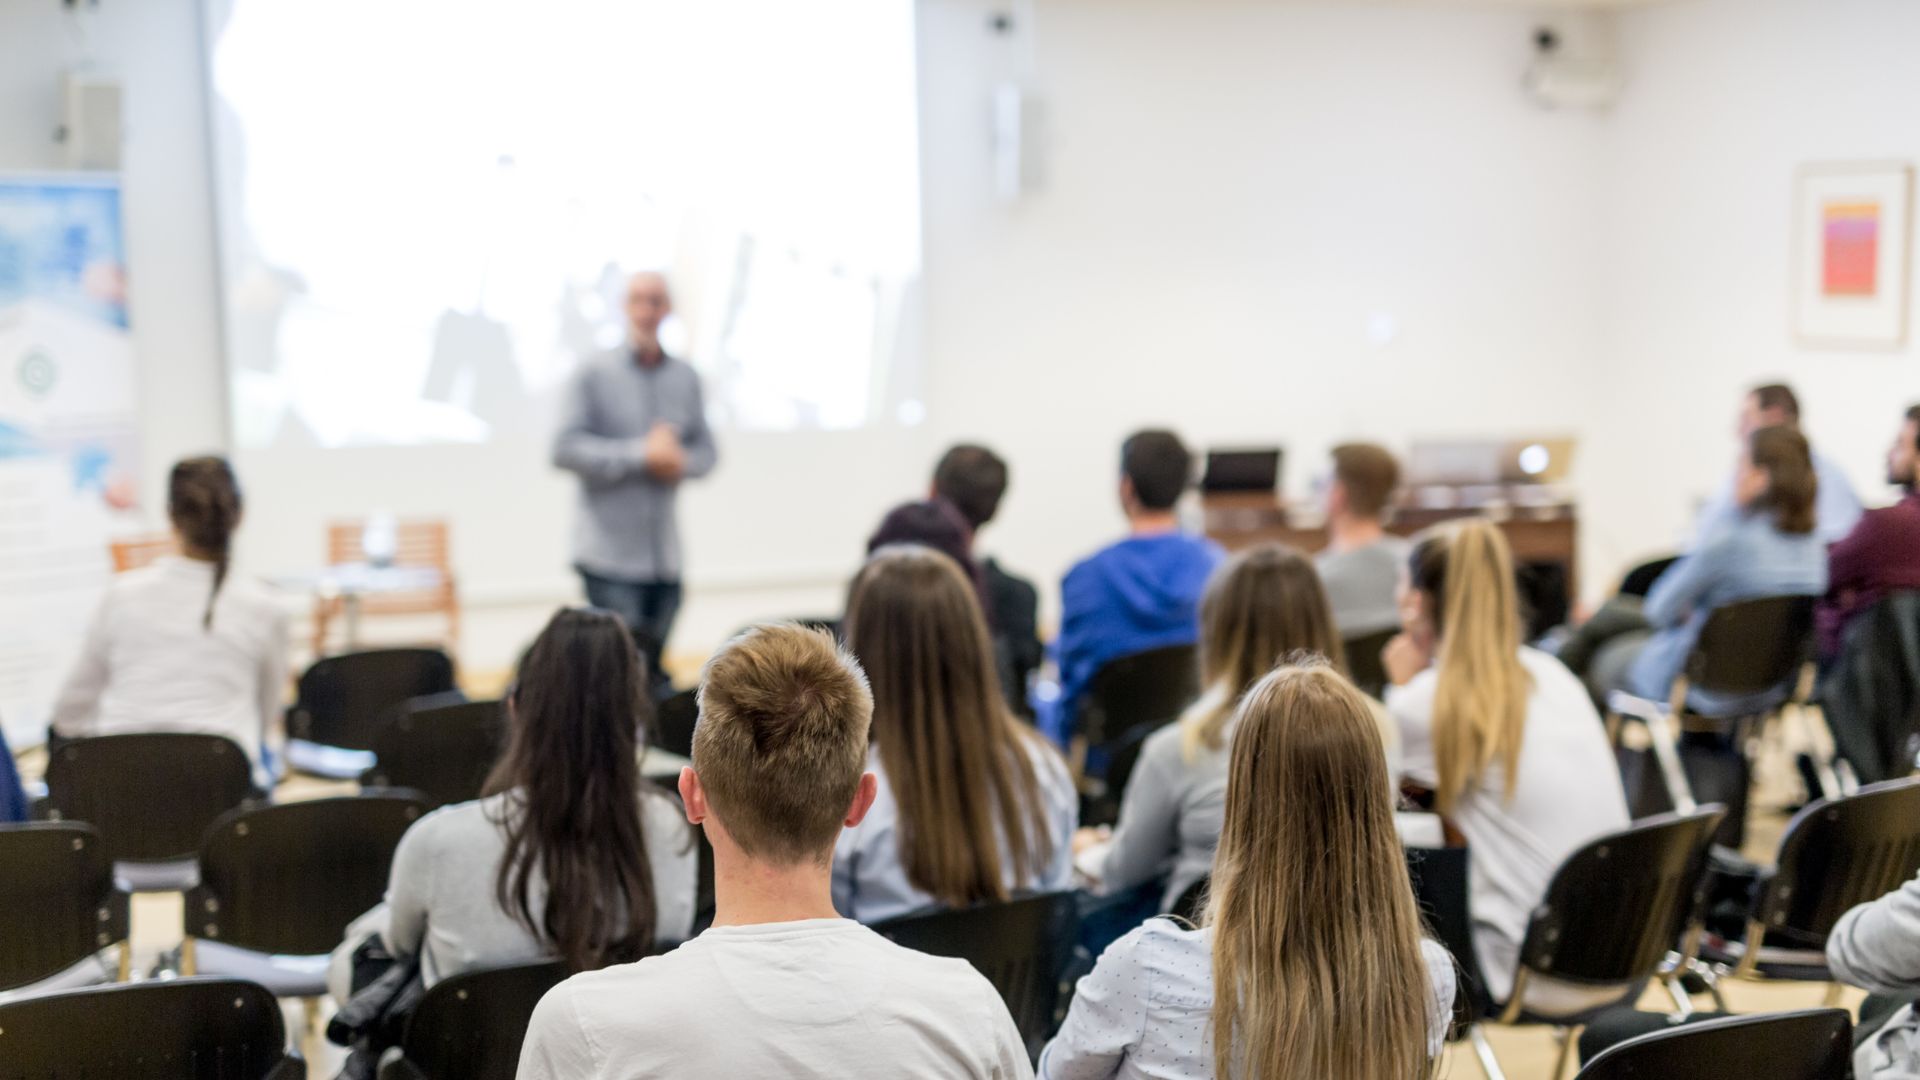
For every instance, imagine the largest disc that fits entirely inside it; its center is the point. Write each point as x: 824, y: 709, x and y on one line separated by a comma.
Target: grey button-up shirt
x: 626, y: 528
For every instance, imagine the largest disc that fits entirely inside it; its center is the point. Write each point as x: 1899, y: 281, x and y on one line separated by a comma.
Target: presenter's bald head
x: 648, y: 304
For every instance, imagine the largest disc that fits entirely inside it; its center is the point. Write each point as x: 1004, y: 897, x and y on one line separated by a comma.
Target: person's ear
x: 693, y: 798
x: 862, y: 799
x: 1128, y: 497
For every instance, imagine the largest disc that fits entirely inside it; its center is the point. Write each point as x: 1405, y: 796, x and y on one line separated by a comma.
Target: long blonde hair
x: 1317, y: 968
x: 958, y: 764
x: 1261, y: 605
x: 1480, y: 700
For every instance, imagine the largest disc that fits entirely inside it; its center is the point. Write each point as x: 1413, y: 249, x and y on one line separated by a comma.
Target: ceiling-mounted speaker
x: 92, y: 127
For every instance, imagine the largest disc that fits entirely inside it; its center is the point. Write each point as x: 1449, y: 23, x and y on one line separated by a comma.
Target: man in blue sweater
x: 1140, y: 593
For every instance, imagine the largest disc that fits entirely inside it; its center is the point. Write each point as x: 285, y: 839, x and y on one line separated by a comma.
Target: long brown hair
x: 1260, y: 606
x: 957, y: 762
x: 203, y: 502
x: 572, y: 765
x: 1783, y: 454
x: 1480, y: 699
x: 1317, y: 969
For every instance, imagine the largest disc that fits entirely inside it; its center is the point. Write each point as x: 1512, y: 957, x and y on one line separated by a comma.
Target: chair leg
x: 125, y: 952
x: 312, y: 1009
x: 1831, y: 999
x: 1483, y: 1050
x: 1682, y: 1003
x: 1666, y: 751
x: 189, y: 960
x: 1568, y: 1036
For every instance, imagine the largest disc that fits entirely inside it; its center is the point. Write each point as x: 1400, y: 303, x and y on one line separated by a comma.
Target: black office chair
x: 1835, y: 855
x: 1870, y: 693
x: 1812, y: 1045
x: 1021, y: 946
x: 673, y: 723
x: 1129, y: 698
x: 1192, y: 901
x: 1364, y: 665
x: 1639, y: 580
x: 443, y: 752
x: 58, y: 903
x: 279, y: 884
x: 1754, y: 648
x: 470, y: 1027
x: 192, y: 1029
x: 1442, y: 878
x: 344, y: 701
x: 1621, y: 910
x: 151, y: 796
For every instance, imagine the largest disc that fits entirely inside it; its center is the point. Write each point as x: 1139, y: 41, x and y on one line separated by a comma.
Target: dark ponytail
x: 203, y: 499
x: 577, y: 712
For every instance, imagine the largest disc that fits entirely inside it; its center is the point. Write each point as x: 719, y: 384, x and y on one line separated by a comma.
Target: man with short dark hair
x: 1362, y: 562
x: 1882, y: 553
x: 1836, y: 507
x: 1140, y: 593
x: 972, y: 479
x: 780, y: 985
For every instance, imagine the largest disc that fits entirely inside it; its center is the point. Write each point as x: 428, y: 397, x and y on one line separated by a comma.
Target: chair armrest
x: 1633, y: 706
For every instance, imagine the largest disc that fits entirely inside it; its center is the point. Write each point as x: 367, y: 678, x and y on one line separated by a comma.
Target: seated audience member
x: 1309, y: 960
x: 1503, y: 735
x: 1838, y: 508
x: 1876, y: 947
x: 1769, y: 549
x: 13, y: 797
x: 1362, y: 561
x: 182, y: 645
x: 972, y: 805
x: 780, y: 985
x: 1261, y: 606
x: 974, y: 478
x: 1142, y: 592
x: 1882, y: 553
x: 571, y: 854
x: 934, y: 524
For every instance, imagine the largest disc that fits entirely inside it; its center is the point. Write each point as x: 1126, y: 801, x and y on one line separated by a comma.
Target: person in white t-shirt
x: 1506, y: 738
x: 182, y: 645
x: 973, y: 806
x: 780, y: 985
x: 1309, y: 960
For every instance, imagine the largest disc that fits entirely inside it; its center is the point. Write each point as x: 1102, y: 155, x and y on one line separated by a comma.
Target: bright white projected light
x: 428, y: 208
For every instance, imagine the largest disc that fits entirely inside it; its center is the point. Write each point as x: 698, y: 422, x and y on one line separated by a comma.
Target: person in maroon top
x: 1882, y: 553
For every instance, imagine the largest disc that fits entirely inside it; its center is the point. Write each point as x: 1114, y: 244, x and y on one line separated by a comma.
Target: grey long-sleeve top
x: 1876, y: 947
x: 626, y: 527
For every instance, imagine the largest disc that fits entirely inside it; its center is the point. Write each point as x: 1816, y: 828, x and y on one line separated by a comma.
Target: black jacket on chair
x: 1871, y: 693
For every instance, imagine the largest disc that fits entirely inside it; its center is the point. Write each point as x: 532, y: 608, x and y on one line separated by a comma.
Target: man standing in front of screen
x: 632, y: 427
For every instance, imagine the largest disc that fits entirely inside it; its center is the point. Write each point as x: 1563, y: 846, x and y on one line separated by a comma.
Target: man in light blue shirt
x: 632, y: 427
x: 1836, y: 508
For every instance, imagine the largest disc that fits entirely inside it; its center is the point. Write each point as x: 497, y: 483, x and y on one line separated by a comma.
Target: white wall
x: 1725, y: 100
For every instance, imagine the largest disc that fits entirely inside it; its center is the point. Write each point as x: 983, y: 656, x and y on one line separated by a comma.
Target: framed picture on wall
x: 1852, y: 238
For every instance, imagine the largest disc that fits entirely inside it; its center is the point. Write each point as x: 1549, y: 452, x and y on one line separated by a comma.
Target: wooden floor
x: 1524, y: 1053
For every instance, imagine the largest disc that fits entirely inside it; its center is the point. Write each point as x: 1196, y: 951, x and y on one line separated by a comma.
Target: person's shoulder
x: 451, y: 823
x: 1549, y: 673
x: 1162, y: 949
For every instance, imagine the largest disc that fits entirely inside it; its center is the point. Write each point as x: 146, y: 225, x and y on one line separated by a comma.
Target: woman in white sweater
x: 1505, y: 736
x: 182, y: 645
x: 1260, y: 607
x: 571, y: 855
x: 1309, y: 960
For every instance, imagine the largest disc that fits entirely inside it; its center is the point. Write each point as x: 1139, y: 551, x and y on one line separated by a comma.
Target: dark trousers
x: 647, y: 607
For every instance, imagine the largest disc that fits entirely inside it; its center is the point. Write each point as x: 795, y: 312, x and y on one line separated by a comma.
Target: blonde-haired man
x: 780, y: 985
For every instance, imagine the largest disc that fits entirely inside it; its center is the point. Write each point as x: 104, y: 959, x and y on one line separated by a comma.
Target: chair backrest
x: 1639, y: 580
x: 470, y: 1027
x: 1838, y: 853
x: 194, y: 1029
x: 1816, y: 1044
x: 1620, y: 903
x: 1441, y: 878
x: 443, y: 752
x: 1021, y: 946
x: 152, y: 795
x: 288, y: 878
x: 1870, y: 693
x: 345, y: 700
x: 134, y: 552
x: 58, y: 904
x: 1364, y: 665
x: 673, y: 723
x: 1752, y: 646
x: 418, y: 542
x: 1192, y: 900
x: 1143, y: 688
